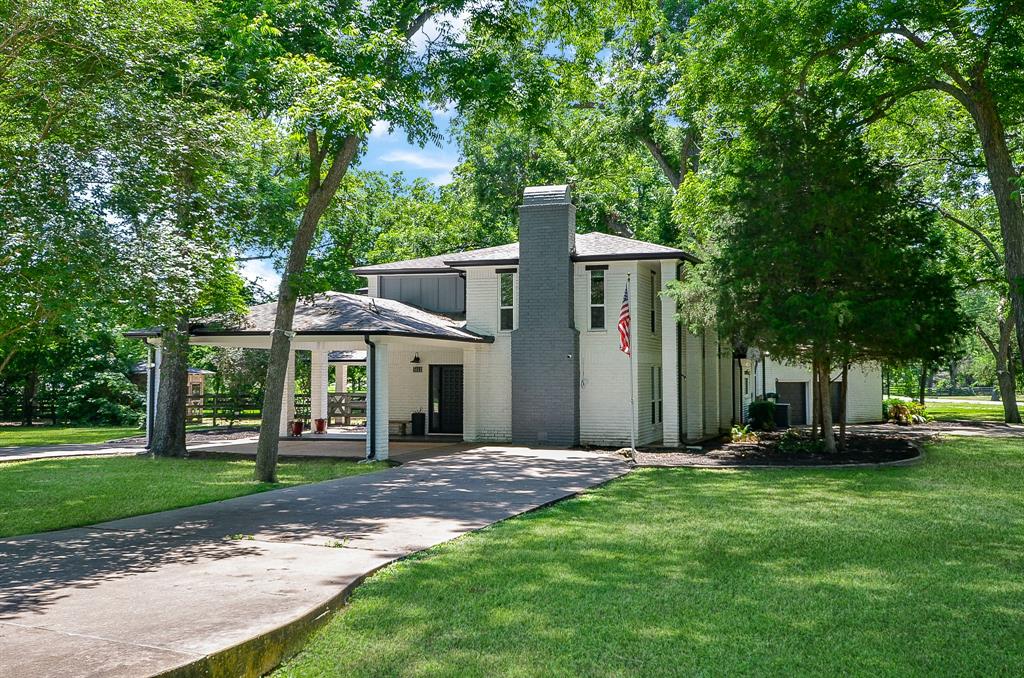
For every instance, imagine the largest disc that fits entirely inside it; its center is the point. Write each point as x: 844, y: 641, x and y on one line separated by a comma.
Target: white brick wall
x: 864, y: 394
x: 408, y: 390
x: 487, y: 413
x: 604, y: 369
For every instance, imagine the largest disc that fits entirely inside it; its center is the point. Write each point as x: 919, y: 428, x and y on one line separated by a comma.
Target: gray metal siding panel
x: 441, y: 293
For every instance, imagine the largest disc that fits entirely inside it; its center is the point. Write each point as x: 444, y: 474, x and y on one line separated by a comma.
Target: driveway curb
x: 261, y: 654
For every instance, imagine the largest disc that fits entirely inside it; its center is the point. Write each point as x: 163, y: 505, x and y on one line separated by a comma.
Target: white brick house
x: 518, y: 343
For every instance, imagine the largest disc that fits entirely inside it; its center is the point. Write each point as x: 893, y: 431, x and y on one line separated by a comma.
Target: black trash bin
x: 781, y: 415
x: 419, y: 424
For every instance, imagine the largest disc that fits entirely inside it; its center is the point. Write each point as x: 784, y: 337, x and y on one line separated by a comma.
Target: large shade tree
x: 750, y: 56
x: 821, y: 256
x: 327, y: 71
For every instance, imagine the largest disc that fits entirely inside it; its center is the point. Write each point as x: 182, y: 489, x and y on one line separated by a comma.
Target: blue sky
x: 386, y: 152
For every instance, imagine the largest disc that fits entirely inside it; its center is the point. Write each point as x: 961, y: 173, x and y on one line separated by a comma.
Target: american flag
x: 624, y: 323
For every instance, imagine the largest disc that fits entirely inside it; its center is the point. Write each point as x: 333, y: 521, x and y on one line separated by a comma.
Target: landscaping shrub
x: 762, y: 415
x: 103, y: 399
x: 904, y: 411
x: 743, y: 434
x: 793, y: 441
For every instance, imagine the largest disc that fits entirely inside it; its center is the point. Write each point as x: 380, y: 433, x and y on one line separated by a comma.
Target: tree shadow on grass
x: 683, y: 572
x: 394, y: 512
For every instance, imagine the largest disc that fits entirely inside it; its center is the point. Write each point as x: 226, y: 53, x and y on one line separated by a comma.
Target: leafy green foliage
x: 797, y: 442
x: 903, y: 411
x: 820, y: 251
x: 762, y: 415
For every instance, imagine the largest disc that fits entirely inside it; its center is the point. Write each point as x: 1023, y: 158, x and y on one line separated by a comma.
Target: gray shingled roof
x: 348, y: 314
x: 589, y: 247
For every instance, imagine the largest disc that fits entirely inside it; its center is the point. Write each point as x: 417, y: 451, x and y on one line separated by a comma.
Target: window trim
x: 654, y: 302
x: 657, y: 396
x: 511, y: 273
x: 594, y: 272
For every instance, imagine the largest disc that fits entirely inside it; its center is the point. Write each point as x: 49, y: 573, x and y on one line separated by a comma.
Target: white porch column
x: 711, y: 398
x: 288, y: 397
x: 670, y: 368
x: 377, y: 410
x: 318, y: 381
x: 694, y: 386
x: 153, y: 357
x: 341, y: 378
x: 726, y: 386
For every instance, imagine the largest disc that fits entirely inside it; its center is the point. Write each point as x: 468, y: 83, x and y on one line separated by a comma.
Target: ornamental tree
x: 822, y: 256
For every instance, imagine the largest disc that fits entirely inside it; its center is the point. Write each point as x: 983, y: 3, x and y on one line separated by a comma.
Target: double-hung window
x: 656, y: 399
x: 654, y: 302
x: 506, y: 300
x: 597, y: 299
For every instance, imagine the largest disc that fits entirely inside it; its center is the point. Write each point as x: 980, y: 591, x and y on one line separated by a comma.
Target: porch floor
x: 401, y: 450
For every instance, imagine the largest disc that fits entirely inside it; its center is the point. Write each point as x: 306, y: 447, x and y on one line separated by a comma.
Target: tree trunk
x: 842, y: 406
x: 169, y: 418
x: 828, y: 435
x: 28, y: 398
x: 1003, y: 177
x: 815, y: 414
x: 922, y: 382
x: 1008, y: 392
x: 1005, y: 373
x: 320, y: 196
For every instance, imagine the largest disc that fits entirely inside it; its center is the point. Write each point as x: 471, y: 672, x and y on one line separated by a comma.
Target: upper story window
x: 506, y: 300
x: 597, y: 299
x: 654, y: 302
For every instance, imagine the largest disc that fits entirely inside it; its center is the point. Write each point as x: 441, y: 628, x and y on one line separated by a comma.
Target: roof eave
x: 486, y: 262
x: 403, y: 271
x: 645, y: 256
x: 142, y: 334
x: 473, y: 338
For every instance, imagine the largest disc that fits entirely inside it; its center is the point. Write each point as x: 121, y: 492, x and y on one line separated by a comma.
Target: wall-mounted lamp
x: 415, y: 359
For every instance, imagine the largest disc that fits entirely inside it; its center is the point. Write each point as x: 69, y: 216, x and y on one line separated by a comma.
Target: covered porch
x: 413, y: 359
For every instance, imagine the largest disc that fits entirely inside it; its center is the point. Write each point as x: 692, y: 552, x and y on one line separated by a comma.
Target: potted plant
x: 320, y: 426
x: 296, y: 428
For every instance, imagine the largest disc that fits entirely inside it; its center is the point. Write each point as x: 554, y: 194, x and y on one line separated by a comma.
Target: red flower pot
x: 321, y: 425
x: 296, y: 428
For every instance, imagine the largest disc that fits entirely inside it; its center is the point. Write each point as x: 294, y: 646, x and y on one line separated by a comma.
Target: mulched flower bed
x: 861, y: 449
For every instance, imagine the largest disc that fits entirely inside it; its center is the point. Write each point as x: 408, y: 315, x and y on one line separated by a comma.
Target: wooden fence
x: 222, y: 408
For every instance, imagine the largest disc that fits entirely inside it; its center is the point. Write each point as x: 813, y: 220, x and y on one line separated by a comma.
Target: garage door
x: 794, y: 393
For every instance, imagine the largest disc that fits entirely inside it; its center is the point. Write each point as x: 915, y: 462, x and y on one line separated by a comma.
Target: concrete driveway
x: 207, y: 589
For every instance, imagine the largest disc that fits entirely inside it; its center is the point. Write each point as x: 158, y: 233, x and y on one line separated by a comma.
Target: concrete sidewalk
x: 29, y: 453
x: 151, y: 594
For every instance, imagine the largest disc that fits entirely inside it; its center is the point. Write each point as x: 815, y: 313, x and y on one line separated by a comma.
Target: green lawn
x: 52, y: 494
x: 902, y: 571
x: 965, y: 411
x: 11, y: 436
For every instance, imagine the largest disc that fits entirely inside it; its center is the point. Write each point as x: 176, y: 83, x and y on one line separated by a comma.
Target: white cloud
x: 380, y: 129
x: 454, y: 24
x: 441, y: 179
x: 261, y: 272
x: 418, y: 159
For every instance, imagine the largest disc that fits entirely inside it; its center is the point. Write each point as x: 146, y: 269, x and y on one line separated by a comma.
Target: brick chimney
x: 545, y: 345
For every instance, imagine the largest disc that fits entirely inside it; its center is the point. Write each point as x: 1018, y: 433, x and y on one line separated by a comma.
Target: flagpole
x: 632, y: 396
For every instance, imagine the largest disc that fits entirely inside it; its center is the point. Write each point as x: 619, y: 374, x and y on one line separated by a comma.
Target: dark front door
x: 837, y: 387
x: 446, y: 398
x: 794, y: 393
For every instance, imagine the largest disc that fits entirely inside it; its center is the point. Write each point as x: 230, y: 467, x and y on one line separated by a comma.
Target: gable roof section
x: 589, y: 247
x: 338, y: 313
